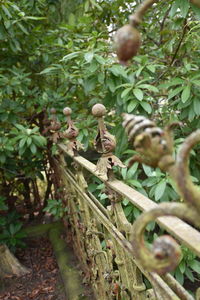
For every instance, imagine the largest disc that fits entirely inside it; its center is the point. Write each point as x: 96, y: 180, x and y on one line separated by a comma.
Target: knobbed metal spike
x: 71, y: 134
x: 105, y: 144
x: 54, y: 127
x: 155, y: 147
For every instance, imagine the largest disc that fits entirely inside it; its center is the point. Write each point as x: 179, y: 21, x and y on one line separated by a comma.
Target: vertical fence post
x: 105, y: 144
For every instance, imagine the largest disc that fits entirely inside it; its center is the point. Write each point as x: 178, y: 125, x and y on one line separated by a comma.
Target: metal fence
x: 113, y: 253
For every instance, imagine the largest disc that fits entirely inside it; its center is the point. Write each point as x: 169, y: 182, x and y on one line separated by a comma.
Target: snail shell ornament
x: 153, y: 144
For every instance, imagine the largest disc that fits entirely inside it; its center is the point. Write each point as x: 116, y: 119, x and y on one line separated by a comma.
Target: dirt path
x: 43, y: 282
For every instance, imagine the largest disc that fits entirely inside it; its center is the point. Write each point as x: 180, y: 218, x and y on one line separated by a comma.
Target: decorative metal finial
x: 155, y: 148
x: 54, y: 126
x: 105, y: 144
x: 71, y: 134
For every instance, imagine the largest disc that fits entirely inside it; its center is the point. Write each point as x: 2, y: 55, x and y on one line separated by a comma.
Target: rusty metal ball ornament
x: 67, y: 111
x: 53, y: 110
x: 196, y: 2
x: 98, y: 110
x: 127, y: 41
x: 165, y: 247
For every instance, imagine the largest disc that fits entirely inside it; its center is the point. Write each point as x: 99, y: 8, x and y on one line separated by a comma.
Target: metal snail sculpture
x: 155, y: 148
x: 127, y: 38
x: 105, y: 144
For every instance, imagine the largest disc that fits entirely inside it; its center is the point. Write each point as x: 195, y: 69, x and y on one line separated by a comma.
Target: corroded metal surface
x: 122, y: 277
x: 73, y: 145
x: 105, y: 144
x: 155, y: 147
x: 53, y: 130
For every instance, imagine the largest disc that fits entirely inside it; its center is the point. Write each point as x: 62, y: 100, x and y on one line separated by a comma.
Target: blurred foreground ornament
x: 127, y: 39
x: 196, y: 2
x: 105, y: 144
x: 155, y: 148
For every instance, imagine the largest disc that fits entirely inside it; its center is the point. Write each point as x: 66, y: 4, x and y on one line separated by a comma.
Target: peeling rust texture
x: 109, y: 225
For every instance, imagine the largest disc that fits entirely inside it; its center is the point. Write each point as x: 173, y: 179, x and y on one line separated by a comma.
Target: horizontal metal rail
x: 183, y: 232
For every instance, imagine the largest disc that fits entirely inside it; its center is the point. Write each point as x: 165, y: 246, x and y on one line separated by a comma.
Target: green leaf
x: 160, y: 189
x: 196, y: 105
x: 151, y: 68
x: 118, y: 70
x: 125, y: 202
x: 138, y: 94
x: 147, y: 170
x: 29, y: 141
x: 128, y: 209
x: 124, y: 172
x: 96, y: 5
x: 174, y: 8
x: 71, y: 56
x: 189, y: 274
x: 48, y: 70
x: 195, y: 265
x: 6, y: 11
x: 89, y: 56
x: 125, y: 92
x: 111, y: 85
x: 22, y: 142
x: 182, y: 266
x: 186, y: 93
x: 33, y: 148
x: 146, y: 106
x: 132, y: 170
x: 12, y: 229
x: 179, y: 276
x: 134, y: 183
x: 39, y: 140
x: 131, y: 106
x: 101, y: 77
x: 184, y: 7
x: 20, y: 127
x: 23, y: 29
x: 175, y: 92
x: 149, y: 87
x: 100, y: 59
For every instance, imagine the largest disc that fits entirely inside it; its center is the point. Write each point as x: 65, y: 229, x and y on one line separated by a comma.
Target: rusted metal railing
x: 112, y: 250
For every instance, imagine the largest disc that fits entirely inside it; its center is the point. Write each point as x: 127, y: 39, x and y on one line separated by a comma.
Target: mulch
x: 43, y: 282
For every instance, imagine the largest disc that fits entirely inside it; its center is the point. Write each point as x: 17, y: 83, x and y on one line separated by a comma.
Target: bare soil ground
x: 43, y: 282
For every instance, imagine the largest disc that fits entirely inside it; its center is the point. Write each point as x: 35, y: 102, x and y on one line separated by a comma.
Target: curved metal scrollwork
x: 155, y: 147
